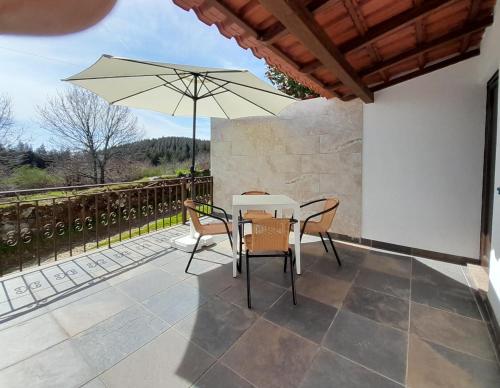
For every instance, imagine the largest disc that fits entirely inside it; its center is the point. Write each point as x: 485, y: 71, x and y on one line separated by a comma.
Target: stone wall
x: 312, y: 150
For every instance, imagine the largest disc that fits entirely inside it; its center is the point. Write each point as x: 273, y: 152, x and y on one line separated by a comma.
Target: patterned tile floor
x: 130, y: 317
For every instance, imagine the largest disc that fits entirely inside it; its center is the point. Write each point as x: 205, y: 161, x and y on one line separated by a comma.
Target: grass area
x: 164, y: 223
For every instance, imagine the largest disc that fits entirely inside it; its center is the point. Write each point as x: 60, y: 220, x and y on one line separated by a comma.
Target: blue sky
x: 31, y: 68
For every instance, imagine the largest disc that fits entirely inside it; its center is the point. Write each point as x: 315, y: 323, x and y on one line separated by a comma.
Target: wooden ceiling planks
x: 351, y: 48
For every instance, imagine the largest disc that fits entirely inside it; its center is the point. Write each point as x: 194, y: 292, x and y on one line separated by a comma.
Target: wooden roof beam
x: 426, y: 47
x: 301, y: 23
x: 385, y: 28
x: 278, y: 30
x: 393, y: 24
x: 428, y: 69
x: 473, y: 11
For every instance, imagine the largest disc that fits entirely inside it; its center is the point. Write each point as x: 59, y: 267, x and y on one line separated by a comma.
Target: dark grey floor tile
x: 379, y: 307
x: 264, y: 294
x: 175, y: 302
x: 442, y: 291
x: 347, y: 271
x: 271, y: 271
x: 455, y: 331
x: 376, y: 346
x: 114, y: 339
x: 331, y: 370
x: 431, y: 365
x: 146, y: 284
x: 216, y: 325
x: 270, y: 356
x: 169, y: 360
x: 384, y: 282
x: 308, y: 318
x: 389, y: 263
x: 220, y: 376
x: 434, y: 271
x: 324, y: 289
x: 351, y: 254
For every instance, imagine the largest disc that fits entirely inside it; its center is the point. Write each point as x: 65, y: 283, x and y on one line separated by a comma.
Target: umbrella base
x: 187, y: 243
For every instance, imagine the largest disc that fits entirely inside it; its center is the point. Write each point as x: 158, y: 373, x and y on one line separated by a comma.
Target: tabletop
x: 244, y: 200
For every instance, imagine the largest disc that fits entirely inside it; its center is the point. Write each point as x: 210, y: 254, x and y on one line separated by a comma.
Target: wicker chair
x: 251, y: 215
x: 223, y: 227
x: 323, y: 224
x: 269, y: 238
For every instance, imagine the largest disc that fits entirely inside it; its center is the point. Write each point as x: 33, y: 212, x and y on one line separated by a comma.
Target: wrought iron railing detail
x: 42, y: 225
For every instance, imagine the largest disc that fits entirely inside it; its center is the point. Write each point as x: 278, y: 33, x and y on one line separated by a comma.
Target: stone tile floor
x: 130, y: 317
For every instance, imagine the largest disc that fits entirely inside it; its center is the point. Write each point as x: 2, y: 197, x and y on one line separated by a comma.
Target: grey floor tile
x: 347, y: 271
x: 440, y: 290
x: 86, y: 312
x: 431, y: 365
x: 130, y: 272
x: 61, y: 366
x: 308, y: 318
x: 28, y: 338
x: 270, y: 356
x: 175, y: 302
x: 455, y: 331
x: 378, y: 347
x: 147, y: 284
x: 220, y: 376
x: 378, y: 307
x: 331, y: 370
x: 384, y: 282
x: 216, y: 325
x: 214, y: 281
x: 324, y: 289
x: 389, y: 263
x: 168, y: 361
x: 95, y: 383
x: 264, y: 294
x: 115, y: 338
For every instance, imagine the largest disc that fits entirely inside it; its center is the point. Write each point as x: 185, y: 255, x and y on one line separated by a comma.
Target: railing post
x: 183, y: 198
x: 211, y: 191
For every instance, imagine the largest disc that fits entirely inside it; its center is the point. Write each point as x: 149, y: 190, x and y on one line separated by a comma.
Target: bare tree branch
x: 6, y: 121
x: 82, y: 121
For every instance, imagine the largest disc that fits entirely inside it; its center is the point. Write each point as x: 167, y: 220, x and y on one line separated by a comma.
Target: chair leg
x: 285, y: 264
x: 192, y: 254
x: 334, y: 250
x: 249, y: 297
x: 293, y: 276
x: 323, y: 241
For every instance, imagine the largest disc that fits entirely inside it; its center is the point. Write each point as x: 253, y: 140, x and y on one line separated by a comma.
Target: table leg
x: 296, y: 235
x: 236, y: 238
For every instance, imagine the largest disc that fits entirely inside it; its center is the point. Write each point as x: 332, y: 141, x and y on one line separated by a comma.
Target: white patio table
x: 268, y: 203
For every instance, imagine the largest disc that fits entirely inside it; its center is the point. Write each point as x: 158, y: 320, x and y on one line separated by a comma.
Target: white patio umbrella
x: 181, y: 90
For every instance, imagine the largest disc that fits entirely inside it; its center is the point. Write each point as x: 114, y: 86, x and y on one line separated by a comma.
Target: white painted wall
x: 422, y: 162
x: 489, y: 62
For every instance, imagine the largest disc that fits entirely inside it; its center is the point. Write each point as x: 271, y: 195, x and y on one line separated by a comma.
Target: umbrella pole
x: 193, y: 148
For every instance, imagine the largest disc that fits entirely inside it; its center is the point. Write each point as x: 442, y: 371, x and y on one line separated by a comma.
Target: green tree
x: 288, y: 85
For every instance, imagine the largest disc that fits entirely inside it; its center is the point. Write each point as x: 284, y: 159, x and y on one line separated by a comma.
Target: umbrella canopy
x: 181, y: 90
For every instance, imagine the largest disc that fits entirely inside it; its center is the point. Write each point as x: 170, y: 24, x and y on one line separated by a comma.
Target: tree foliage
x: 288, y: 85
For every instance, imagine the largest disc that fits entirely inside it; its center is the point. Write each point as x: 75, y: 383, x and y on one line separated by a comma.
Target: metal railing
x: 41, y: 225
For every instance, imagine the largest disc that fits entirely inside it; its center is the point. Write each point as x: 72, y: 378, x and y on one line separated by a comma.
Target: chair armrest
x: 213, y: 206
x: 315, y: 201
